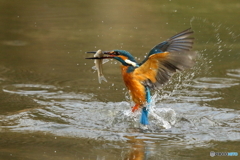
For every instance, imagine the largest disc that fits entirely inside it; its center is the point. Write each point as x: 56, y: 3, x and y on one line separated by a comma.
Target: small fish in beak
x: 98, y: 63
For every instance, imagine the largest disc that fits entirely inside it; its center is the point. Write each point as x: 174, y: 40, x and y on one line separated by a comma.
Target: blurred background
x: 52, y: 106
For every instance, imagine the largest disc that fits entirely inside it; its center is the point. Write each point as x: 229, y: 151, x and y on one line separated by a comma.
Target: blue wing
x: 177, y: 43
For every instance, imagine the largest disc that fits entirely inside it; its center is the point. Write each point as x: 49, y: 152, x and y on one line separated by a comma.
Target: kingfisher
x: 163, y: 60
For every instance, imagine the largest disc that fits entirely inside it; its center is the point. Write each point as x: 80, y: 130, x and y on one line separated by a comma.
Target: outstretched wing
x: 177, y: 43
x: 158, y: 69
x: 165, y: 59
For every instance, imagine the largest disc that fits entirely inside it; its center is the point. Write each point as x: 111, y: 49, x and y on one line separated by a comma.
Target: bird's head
x: 122, y: 56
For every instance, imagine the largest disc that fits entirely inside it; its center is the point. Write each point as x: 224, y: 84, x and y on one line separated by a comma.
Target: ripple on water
x: 233, y: 73
x: 80, y: 115
x: 15, y: 43
x: 213, y: 82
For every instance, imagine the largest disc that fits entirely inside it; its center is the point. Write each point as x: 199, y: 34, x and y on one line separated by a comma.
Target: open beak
x: 107, y: 53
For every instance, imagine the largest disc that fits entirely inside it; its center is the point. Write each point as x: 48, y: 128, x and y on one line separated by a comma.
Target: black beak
x: 104, y: 52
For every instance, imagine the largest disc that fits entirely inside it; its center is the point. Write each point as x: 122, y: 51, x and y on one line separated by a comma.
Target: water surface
x: 52, y: 106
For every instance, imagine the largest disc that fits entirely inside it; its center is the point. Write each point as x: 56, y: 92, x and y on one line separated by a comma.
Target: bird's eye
x: 117, y: 53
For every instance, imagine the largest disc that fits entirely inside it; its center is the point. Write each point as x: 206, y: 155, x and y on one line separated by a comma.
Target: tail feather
x: 144, y: 116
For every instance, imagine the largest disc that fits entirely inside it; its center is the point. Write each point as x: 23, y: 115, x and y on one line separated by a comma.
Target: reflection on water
x: 137, y: 150
x: 52, y: 106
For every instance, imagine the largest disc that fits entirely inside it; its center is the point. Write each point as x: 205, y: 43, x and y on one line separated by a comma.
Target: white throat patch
x: 131, y: 62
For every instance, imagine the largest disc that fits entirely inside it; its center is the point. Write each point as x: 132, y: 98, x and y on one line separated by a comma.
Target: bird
x: 162, y: 61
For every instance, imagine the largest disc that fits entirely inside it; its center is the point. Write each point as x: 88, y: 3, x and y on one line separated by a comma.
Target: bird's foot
x: 136, y: 107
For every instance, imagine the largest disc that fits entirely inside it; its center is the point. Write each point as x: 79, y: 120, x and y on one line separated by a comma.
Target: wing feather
x: 165, y: 59
x: 173, y: 44
x: 159, y: 68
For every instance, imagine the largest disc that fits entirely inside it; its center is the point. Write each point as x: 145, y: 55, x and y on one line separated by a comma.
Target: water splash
x: 162, y: 117
x: 79, y: 115
x: 159, y: 118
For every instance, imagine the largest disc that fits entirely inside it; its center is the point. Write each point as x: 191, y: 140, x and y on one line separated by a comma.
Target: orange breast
x: 136, y: 89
